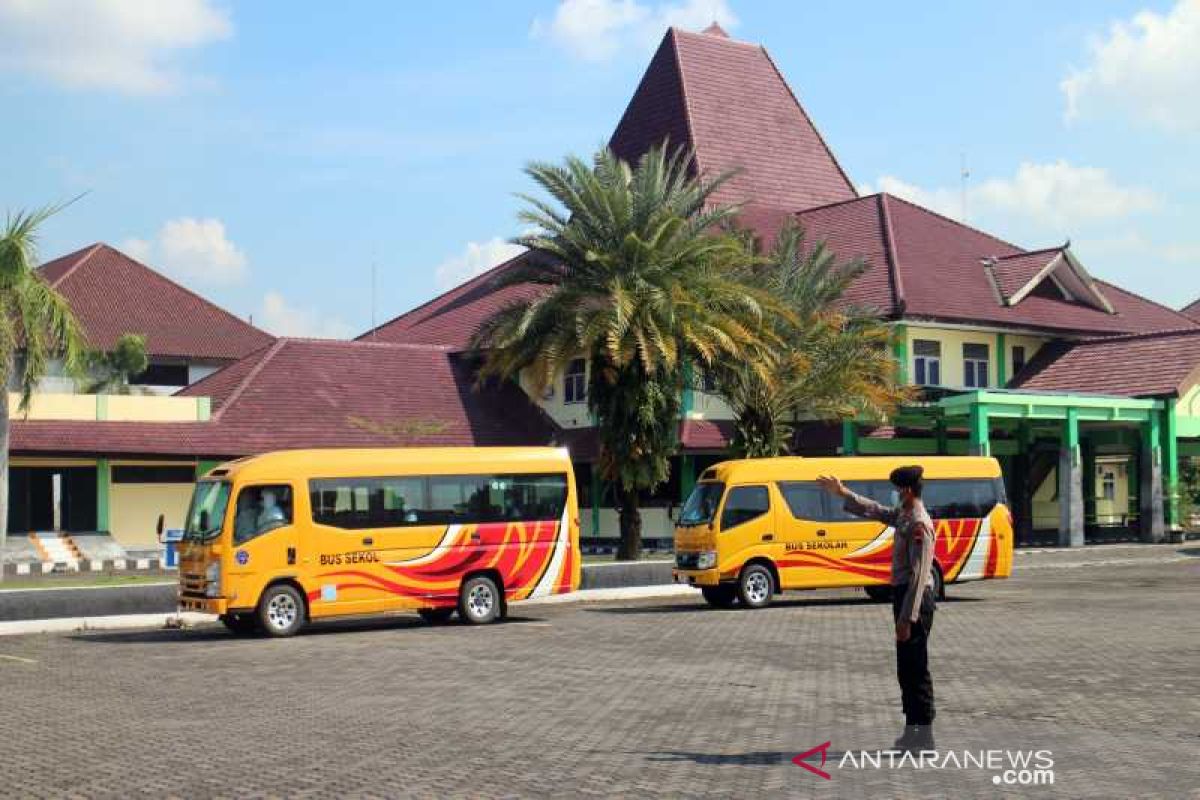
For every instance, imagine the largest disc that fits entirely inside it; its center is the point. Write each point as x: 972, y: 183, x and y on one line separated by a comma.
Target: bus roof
x: 849, y: 468
x: 382, y: 461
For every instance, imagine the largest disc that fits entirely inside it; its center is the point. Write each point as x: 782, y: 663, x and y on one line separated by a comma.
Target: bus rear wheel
x: 281, y: 610
x: 479, y: 601
x: 239, y: 624
x: 756, y: 586
x: 722, y: 596
x: 436, y: 616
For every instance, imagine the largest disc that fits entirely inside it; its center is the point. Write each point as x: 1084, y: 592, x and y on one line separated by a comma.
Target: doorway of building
x: 51, y: 498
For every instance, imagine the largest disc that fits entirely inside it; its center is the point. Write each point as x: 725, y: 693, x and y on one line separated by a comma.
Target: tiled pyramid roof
x: 112, y: 294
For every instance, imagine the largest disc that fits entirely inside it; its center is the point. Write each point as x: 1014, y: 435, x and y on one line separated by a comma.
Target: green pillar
x: 687, y: 400
x: 849, y: 437
x: 1150, y: 473
x: 204, y: 466
x: 597, y: 490
x: 103, y: 482
x: 1170, y: 464
x: 1070, y: 485
x: 978, y: 443
x: 900, y: 351
x: 1001, y: 360
x: 939, y: 432
x: 687, y: 477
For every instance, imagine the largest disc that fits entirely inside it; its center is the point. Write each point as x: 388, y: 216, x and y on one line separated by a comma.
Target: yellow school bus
x: 279, y: 539
x: 753, y: 528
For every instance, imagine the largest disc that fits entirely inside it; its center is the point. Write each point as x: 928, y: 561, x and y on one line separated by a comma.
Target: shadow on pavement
x: 752, y: 759
x: 217, y: 632
x: 812, y: 602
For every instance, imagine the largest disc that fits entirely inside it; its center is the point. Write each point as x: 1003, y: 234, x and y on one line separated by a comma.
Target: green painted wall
x: 103, y: 486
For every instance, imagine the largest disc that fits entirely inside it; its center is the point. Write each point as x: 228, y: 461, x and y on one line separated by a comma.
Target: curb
x: 29, y: 568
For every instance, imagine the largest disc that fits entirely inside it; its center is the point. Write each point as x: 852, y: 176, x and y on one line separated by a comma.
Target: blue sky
x: 266, y: 154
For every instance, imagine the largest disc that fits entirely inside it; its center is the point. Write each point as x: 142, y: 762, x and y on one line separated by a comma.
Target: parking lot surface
x: 1093, y: 657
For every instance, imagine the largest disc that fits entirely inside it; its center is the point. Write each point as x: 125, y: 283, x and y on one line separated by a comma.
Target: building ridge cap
x: 91, y: 251
x: 688, y: 125
x: 892, y: 253
x: 834, y: 203
x: 237, y: 392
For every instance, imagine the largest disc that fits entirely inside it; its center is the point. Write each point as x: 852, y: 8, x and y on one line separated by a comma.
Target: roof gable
x: 111, y: 294
x: 1016, y: 276
x: 728, y: 102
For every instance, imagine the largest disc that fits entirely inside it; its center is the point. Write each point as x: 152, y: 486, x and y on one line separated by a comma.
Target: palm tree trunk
x: 630, y: 548
x: 4, y: 430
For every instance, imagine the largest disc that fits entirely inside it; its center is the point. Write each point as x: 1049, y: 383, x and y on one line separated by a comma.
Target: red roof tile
x: 728, y: 102
x: 1192, y: 311
x: 111, y: 295
x: 1164, y: 363
x: 303, y: 393
x: 705, y: 434
x: 927, y: 266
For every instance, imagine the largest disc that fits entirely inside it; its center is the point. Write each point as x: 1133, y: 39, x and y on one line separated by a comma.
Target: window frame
x: 973, y: 364
x: 575, y: 382
x: 925, y: 363
x: 729, y: 496
x: 289, y: 511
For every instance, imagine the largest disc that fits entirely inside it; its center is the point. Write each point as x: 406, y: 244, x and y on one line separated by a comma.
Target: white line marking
x: 18, y: 658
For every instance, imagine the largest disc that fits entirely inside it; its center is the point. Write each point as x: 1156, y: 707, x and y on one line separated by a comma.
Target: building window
x: 575, y: 382
x: 1018, y: 360
x: 975, y: 366
x: 1108, y: 485
x: 928, y: 362
x: 162, y: 375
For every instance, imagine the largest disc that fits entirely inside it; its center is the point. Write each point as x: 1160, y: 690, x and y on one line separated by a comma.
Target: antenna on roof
x: 963, y: 175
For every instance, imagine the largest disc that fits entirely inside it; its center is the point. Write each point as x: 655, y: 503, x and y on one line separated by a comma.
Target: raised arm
x: 856, y: 504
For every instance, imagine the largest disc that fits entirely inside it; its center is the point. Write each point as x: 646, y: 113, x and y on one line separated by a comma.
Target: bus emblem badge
x: 243, y: 558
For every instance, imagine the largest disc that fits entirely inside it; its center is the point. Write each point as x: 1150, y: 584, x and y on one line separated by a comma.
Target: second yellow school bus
x: 755, y: 527
x: 275, y: 540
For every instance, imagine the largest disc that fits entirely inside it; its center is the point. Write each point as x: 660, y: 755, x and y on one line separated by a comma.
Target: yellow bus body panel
x: 366, y: 570
x: 810, y: 554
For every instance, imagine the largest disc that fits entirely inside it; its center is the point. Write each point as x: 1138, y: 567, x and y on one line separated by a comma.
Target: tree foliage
x: 115, y: 370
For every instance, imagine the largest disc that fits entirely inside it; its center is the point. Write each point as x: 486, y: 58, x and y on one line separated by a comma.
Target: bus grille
x: 191, y: 585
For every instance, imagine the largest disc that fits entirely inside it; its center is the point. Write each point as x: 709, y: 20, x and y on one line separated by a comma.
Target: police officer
x: 912, y: 594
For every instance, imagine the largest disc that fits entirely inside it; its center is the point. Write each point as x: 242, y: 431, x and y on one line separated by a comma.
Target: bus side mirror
x: 158, y: 528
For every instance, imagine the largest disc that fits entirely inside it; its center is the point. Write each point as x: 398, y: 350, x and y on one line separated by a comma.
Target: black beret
x: 906, y: 477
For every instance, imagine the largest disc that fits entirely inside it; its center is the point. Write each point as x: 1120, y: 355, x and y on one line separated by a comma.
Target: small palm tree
x: 835, y: 363
x: 638, y: 278
x: 117, y: 368
x: 36, y: 325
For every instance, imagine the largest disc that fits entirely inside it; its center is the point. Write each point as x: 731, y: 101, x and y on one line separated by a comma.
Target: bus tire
x: 756, y: 586
x: 436, y: 616
x: 239, y: 624
x: 281, y: 610
x: 880, y: 594
x: 479, y: 601
x: 720, y: 596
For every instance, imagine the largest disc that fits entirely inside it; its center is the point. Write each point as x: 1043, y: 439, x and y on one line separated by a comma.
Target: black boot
x: 915, y: 739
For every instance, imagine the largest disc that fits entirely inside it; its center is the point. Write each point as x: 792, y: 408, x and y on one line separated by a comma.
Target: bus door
x: 267, y: 542
x: 747, y: 527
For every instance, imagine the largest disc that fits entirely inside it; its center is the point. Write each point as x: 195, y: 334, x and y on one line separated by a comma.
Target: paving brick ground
x: 1096, y: 663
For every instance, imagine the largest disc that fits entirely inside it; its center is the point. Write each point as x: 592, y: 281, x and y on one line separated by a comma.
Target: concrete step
x: 56, y: 547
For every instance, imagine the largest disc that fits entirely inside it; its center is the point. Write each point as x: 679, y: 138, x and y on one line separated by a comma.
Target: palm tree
x: 835, y: 363
x: 637, y: 277
x: 118, y: 367
x: 36, y: 325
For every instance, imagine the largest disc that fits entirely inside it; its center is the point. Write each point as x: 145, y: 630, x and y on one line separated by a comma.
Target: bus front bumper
x: 697, y: 577
x: 207, y: 605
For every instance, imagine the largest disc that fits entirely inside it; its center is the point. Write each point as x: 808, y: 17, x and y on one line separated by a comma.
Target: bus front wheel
x: 756, y: 586
x: 721, y: 596
x: 281, y: 610
x: 479, y: 601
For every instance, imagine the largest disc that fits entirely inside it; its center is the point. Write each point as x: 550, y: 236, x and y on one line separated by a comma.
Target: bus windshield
x: 701, y: 506
x: 207, y: 511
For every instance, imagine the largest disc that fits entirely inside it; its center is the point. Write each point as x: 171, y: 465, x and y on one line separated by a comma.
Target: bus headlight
x: 212, y: 578
x: 706, y: 559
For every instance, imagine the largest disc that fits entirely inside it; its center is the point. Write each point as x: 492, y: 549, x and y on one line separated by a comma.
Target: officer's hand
x: 903, y: 630
x: 832, y: 485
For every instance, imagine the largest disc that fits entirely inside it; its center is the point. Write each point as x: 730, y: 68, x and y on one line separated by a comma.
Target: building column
x: 103, y: 483
x: 1022, y: 499
x: 1150, y: 494
x: 1170, y: 466
x: 939, y: 434
x: 687, y: 477
x: 1070, y: 484
x: 597, y: 489
x: 849, y: 437
x: 978, y: 443
x: 900, y: 351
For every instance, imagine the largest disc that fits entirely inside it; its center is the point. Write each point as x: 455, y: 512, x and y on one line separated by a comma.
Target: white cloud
x: 476, y: 258
x: 1057, y: 195
x: 278, y: 317
x: 122, y: 45
x: 597, y: 30
x: 193, y: 249
x: 1147, y: 67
